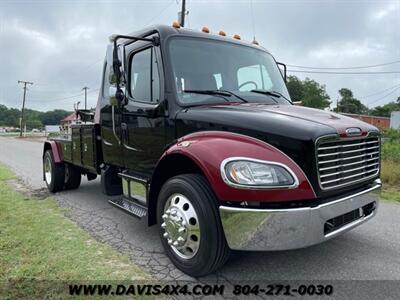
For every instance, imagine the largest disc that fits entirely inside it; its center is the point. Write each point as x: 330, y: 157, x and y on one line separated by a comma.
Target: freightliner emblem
x: 353, y: 131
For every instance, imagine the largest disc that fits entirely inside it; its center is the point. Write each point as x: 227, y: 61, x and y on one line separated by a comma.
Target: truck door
x: 143, y: 117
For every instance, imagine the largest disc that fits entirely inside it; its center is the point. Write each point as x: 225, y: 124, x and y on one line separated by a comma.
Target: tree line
x: 309, y: 91
x: 34, y: 119
x: 313, y: 94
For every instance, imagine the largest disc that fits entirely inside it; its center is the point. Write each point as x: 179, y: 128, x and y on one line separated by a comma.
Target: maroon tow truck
x: 197, y: 132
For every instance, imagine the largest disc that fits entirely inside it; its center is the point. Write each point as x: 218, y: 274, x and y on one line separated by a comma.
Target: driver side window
x: 253, y: 77
x: 144, y: 77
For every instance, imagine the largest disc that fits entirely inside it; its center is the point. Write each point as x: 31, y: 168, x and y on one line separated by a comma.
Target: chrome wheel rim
x: 47, y: 170
x: 181, y: 226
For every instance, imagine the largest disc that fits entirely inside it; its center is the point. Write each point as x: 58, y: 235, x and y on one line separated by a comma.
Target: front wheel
x: 190, y: 227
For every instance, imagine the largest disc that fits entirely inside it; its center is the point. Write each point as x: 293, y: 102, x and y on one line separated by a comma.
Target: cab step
x: 130, y: 207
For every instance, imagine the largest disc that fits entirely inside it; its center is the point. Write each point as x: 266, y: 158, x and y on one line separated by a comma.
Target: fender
x: 209, y: 148
x: 55, y: 149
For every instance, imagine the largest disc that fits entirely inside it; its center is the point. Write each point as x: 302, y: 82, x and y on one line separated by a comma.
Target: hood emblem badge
x: 353, y: 131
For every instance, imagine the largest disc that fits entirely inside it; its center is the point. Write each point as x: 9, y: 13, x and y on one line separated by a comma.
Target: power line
x: 380, y: 92
x: 344, y: 73
x: 95, y: 90
x: 72, y: 96
x: 345, y: 68
x: 159, y: 13
x: 388, y: 94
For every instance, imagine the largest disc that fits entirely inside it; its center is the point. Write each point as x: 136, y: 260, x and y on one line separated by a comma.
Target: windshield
x: 207, y: 65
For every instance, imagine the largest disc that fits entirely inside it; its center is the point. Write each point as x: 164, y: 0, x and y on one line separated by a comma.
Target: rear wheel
x: 72, y: 177
x: 190, y: 227
x: 53, y: 173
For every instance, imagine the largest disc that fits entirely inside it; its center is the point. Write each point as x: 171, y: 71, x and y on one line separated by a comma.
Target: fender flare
x: 207, y: 149
x: 55, y: 149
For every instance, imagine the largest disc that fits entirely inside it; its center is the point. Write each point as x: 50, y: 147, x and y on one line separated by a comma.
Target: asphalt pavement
x: 371, y: 251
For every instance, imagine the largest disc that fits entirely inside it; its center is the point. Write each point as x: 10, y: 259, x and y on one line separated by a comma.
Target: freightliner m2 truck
x: 197, y: 133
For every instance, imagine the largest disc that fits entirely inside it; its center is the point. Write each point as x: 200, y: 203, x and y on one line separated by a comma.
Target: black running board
x: 130, y: 207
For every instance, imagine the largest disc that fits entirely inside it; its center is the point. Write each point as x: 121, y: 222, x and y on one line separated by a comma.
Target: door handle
x: 113, y: 124
x: 124, y: 129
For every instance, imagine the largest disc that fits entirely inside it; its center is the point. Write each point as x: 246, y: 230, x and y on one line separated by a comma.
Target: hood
x: 336, y: 121
x: 283, y: 120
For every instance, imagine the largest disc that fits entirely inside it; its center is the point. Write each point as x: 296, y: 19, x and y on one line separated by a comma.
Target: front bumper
x: 284, y: 229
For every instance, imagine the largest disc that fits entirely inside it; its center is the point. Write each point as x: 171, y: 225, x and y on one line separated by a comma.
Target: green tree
x: 386, y: 110
x: 33, y: 123
x: 315, y: 94
x: 33, y: 118
x: 310, y: 92
x: 295, y: 87
x: 349, y: 104
x: 53, y: 117
x: 9, y: 116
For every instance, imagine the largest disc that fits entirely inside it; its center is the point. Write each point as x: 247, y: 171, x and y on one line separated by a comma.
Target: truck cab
x: 197, y: 132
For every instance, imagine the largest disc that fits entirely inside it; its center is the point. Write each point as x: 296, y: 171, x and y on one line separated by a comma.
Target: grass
x: 390, y: 193
x: 391, y: 151
x: 390, y: 165
x: 390, y: 172
x: 390, y: 176
x: 37, y: 243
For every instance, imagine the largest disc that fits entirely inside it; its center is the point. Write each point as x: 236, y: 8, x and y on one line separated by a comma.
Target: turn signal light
x: 222, y: 33
x: 176, y: 24
x: 236, y: 36
x: 205, y: 29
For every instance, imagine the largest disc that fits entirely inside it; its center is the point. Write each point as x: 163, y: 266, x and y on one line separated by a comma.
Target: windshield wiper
x: 216, y: 92
x: 234, y: 94
x: 271, y: 93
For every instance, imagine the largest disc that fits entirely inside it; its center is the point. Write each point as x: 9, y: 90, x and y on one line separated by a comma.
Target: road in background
x: 371, y: 251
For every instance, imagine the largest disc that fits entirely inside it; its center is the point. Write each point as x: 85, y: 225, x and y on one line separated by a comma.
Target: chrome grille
x: 344, y: 162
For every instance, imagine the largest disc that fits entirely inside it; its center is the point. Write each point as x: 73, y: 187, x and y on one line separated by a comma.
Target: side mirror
x: 283, y: 69
x: 116, y: 95
x: 114, y: 59
x: 116, y: 91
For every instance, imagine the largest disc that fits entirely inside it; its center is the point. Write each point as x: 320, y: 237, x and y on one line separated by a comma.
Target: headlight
x: 246, y: 172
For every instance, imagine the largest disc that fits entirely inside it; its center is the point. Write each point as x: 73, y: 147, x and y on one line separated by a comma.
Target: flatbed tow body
x: 197, y: 133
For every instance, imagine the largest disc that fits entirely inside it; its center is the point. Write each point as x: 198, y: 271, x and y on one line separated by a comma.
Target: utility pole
x: 85, y: 88
x: 21, y: 120
x: 183, y: 13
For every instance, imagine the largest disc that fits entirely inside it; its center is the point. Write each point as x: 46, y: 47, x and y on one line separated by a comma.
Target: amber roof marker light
x: 205, y: 29
x: 236, y: 36
x: 222, y: 33
x: 176, y: 24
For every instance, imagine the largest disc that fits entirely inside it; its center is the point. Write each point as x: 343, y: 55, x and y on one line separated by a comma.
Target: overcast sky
x: 60, y: 45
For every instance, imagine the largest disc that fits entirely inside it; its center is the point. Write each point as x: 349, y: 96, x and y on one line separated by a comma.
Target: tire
x: 187, y: 201
x: 72, y: 177
x: 53, y: 173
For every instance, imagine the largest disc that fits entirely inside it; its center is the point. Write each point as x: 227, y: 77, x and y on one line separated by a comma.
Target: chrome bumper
x: 284, y: 229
